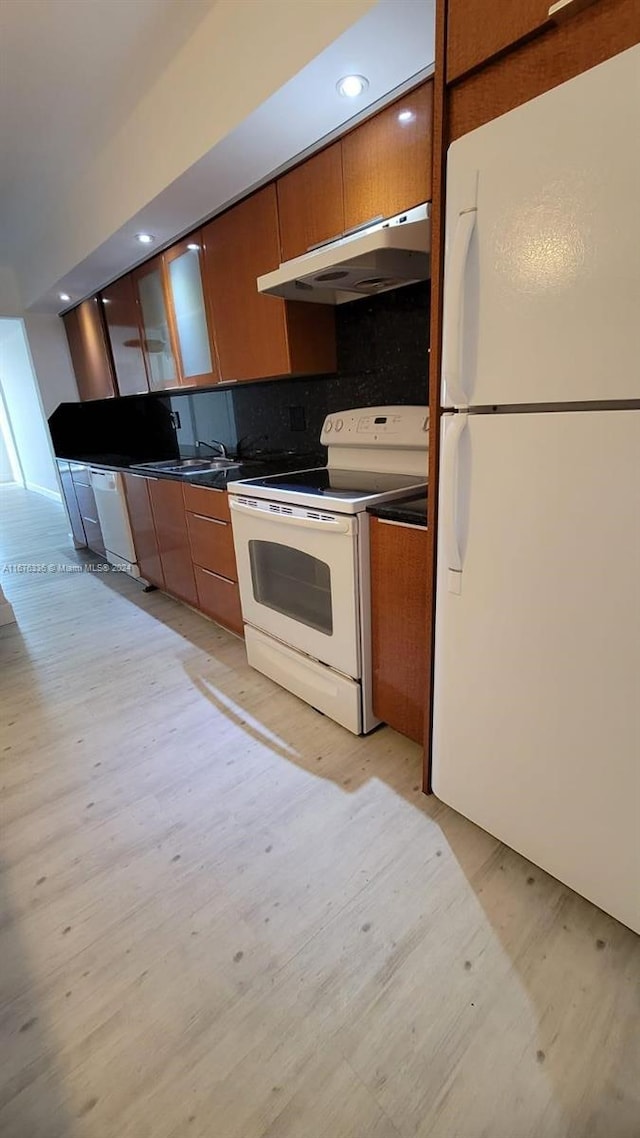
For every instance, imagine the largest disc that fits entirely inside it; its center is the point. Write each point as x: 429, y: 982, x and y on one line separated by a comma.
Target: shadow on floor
x: 247, y: 703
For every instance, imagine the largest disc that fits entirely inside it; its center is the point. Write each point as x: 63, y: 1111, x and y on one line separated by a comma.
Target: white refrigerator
x: 536, y: 728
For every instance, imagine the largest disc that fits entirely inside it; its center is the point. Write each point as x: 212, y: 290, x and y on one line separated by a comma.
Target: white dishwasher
x: 111, y: 504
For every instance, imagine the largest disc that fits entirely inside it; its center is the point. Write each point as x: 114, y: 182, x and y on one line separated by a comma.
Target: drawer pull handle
x: 218, y: 576
x: 565, y: 9
x: 216, y: 521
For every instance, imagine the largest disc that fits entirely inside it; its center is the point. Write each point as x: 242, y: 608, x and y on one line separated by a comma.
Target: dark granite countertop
x: 412, y: 511
x: 212, y: 479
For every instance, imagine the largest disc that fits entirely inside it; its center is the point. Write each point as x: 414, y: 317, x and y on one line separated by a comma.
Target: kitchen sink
x: 187, y: 465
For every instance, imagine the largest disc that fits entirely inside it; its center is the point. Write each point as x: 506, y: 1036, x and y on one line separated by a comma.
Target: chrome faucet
x: 214, y: 445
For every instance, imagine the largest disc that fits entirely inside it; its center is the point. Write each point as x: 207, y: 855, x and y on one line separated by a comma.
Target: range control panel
x: 396, y: 427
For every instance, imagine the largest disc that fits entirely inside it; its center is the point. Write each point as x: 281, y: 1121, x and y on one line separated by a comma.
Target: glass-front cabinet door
x: 157, y: 338
x: 190, y: 325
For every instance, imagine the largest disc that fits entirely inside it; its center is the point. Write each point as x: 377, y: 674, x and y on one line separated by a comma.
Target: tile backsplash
x: 383, y: 358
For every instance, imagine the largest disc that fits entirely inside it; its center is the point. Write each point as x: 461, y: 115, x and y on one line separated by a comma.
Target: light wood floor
x: 223, y: 916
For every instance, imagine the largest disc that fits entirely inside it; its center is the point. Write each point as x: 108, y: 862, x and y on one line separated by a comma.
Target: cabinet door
x: 170, y: 520
x: 157, y: 341
x: 71, y: 502
x: 400, y: 590
x: 386, y: 162
x: 240, y: 246
x: 89, y: 350
x: 310, y: 206
x: 479, y: 29
x: 194, y: 344
x: 136, y: 489
x: 122, y: 319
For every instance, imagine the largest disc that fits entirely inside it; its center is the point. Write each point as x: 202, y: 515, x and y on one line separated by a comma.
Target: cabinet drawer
x: 94, y: 535
x: 210, y: 503
x: 219, y: 599
x: 86, y: 501
x: 212, y: 545
x: 80, y: 474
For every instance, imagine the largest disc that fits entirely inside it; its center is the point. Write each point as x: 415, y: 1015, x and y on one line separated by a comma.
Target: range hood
x: 380, y: 256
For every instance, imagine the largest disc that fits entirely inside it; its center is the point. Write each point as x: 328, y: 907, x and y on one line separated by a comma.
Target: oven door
x: 297, y: 570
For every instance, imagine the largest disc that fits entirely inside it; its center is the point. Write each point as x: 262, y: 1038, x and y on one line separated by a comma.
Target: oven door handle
x: 326, y: 525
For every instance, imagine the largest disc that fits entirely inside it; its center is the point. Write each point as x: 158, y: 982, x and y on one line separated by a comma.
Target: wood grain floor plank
x: 223, y: 916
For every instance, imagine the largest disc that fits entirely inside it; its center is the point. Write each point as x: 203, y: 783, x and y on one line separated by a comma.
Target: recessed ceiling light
x: 64, y: 297
x: 145, y: 238
x: 406, y: 116
x: 352, y: 85
x: 193, y: 247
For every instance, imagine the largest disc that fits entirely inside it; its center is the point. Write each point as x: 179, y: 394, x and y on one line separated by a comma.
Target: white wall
x: 25, y: 410
x: 51, y: 360
x: 6, y: 470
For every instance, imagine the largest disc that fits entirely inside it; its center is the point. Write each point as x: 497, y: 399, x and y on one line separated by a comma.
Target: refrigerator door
x: 542, y: 273
x: 536, y: 732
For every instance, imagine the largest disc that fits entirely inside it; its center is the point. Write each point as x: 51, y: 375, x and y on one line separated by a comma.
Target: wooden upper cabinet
x: 193, y: 341
x: 586, y: 37
x: 386, y: 162
x: 122, y: 318
x: 479, y: 29
x: 239, y: 246
x: 310, y: 205
x: 89, y: 350
x: 157, y: 341
x: 259, y: 336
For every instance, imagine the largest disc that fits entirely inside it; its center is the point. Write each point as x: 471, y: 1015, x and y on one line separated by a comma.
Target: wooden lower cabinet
x: 214, y: 559
x: 219, y: 599
x: 136, y: 488
x: 184, y: 544
x: 167, y: 504
x: 400, y: 596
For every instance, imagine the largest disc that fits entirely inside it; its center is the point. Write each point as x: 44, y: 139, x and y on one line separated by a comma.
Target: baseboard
x: 53, y: 494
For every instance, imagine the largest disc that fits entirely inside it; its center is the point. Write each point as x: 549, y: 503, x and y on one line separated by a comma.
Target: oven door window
x: 292, y: 583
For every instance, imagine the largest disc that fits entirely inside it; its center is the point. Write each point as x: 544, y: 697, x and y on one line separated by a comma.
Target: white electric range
x: 302, y: 550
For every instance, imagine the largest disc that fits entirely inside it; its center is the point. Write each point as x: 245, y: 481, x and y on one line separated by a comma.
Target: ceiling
x: 75, y: 72
x: 70, y: 70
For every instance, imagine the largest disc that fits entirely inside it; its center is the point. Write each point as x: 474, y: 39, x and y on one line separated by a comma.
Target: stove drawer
x: 334, y: 695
